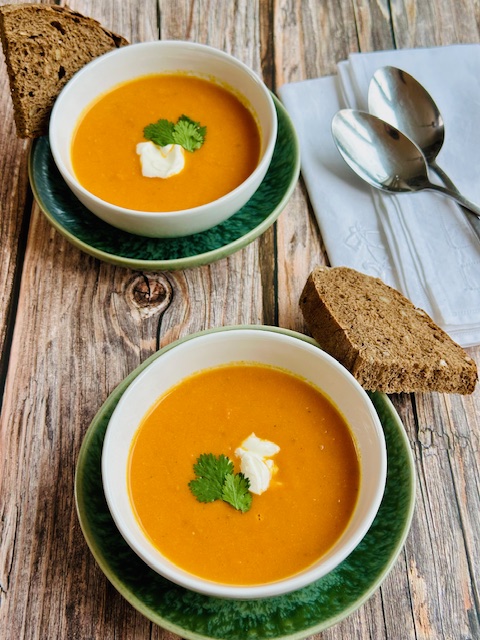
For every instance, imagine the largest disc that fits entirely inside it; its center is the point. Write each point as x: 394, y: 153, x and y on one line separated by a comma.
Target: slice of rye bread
x: 386, y: 342
x: 44, y: 45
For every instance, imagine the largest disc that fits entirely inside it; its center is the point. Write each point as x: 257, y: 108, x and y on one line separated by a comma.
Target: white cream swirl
x: 255, y: 462
x: 160, y: 162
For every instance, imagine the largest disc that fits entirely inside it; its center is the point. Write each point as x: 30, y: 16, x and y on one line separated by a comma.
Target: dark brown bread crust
x: 386, y: 342
x: 44, y: 45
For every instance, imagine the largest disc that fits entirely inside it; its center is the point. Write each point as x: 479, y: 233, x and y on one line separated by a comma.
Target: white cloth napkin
x: 422, y: 243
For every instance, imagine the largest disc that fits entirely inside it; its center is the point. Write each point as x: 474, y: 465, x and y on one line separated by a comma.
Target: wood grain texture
x: 14, y: 209
x: 71, y: 328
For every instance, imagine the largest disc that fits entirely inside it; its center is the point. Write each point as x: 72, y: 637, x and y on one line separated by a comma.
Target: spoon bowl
x: 378, y: 152
x: 396, y: 97
x: 384, y: 156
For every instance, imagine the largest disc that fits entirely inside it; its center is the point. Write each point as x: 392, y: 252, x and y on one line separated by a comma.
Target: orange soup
x: 104, y: 154
x: 293, y: 523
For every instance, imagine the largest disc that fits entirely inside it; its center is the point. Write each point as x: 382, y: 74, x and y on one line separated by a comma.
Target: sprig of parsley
x: 211, y: 473
x: 215, y: 480
x: 235, y: 491
x: 185, y: 132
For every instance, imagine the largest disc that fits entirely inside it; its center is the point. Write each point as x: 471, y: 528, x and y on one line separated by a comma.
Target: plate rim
x: 207, y: 257
x: 134, y: 600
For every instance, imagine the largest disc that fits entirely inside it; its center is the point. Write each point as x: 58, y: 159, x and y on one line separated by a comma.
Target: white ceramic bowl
x: 137, y: 60
x: 264, y: 345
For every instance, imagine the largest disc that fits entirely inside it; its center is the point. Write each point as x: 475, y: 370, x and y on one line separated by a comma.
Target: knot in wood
x: 152, y: 292
x: 145, y: 293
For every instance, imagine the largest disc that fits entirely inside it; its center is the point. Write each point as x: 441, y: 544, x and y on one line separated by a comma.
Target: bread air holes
x: 58, y: 26
x: 61, y: 72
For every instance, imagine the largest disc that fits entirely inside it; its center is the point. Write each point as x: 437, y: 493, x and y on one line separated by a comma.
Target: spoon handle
x: 471, y: 217
x: 472, y: 210
x: 443, y: 177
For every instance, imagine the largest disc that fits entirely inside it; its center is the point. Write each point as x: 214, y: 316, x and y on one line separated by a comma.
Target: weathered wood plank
x: 441, y: 22
x: 14, y: 215
x: 446, y: 557
x: 298, y: 241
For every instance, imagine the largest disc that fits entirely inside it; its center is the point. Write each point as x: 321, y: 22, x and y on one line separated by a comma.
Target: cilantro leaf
x: 186, y: 132
x: 189, y: 134
x: 211, y: 473
x: 160, y: 132
x: 236, y: 493
x: 215, y: 480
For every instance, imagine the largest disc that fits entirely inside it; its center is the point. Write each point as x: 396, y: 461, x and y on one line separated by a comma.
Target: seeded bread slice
x: 44, y: 45
x: 386, y: 342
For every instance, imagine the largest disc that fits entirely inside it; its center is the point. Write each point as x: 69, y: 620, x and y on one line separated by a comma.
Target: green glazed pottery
x: 293, y: 616
x: 99, y: 239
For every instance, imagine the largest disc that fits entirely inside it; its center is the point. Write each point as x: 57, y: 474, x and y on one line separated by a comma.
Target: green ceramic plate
x: 293, y: 616
x: 101, y: 240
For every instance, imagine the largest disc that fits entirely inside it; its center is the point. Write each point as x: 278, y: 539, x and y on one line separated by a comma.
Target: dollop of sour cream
x: 160, y: 162
x: 255, y: 462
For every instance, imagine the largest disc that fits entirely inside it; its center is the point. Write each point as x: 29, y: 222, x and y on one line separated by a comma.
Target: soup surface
x: 104, y: 155
x: 299, y: 517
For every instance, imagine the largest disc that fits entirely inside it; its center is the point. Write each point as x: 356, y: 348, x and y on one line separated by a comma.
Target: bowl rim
x: 308, y: 575
x: 200, y: 210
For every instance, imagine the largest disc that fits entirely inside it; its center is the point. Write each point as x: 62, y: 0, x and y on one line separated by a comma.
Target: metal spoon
x: 384, y: 157
x: 396, y: 97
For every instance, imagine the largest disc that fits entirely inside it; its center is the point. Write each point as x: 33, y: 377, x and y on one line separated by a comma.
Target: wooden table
x: 72, y: 327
